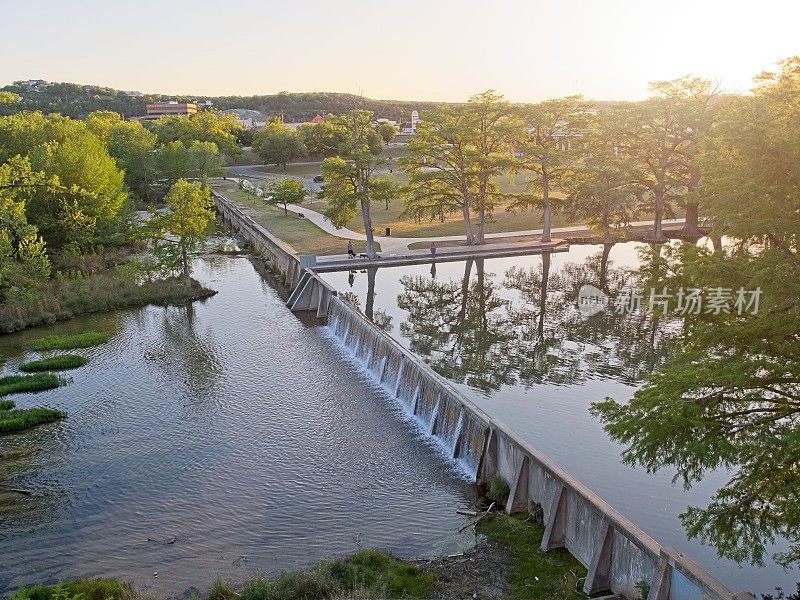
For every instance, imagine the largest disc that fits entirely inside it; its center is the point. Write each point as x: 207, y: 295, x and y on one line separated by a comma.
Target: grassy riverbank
x: 301, y: 234
x: 506, y: 563
x: 61, y: 299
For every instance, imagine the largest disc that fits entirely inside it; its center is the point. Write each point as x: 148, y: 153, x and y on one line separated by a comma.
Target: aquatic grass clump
x: 17, y: 384
x: 61, y: 362
x: 6, y: 404
x: 15, y: 420
x: 86, y: 339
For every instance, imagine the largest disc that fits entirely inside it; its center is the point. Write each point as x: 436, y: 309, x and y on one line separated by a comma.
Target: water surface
x: 229, y: 426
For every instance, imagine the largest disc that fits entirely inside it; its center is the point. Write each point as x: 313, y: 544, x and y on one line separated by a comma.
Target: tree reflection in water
x: 527, y: 329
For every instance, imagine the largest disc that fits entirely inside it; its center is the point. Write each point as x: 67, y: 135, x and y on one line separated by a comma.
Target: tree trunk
x: 185, y: 261
x: 546, y: 217
x: 285, y: 210
x: 690, y: 228
x: 479, y: 238
x: 365, y: 212
x: 658, y: 234
x: 467, y: 223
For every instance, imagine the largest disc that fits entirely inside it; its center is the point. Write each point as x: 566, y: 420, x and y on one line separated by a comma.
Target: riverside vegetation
x: 71, y: 241
x: 506, y: 563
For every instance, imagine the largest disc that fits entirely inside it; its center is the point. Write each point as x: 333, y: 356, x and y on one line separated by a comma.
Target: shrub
x: 6, y: 404
x: 498, y: 491
x: 54, y: 363
x: 257, y: 589
x: 17, y: 420
x: 15, y: 384
x: 82, y: 589
x: 380, y: 572
x: 72, y: 341
x: 220, y: 590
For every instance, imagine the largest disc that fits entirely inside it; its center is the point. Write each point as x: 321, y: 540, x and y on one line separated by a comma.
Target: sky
x: 443, y: 50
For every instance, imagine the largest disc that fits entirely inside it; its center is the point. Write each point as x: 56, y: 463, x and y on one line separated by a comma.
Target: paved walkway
x: 393, y: 246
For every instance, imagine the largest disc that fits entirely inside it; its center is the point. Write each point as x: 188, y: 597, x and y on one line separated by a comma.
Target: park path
x: 395, y: 245
x: 391, y: 246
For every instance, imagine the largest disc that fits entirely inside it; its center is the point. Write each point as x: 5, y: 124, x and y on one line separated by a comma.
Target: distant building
x: 156, y: 110
x: 36, y: 85
x: 317, y: 119
x: 133, y: 94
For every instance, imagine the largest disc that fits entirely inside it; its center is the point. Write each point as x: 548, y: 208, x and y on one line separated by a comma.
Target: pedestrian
x: 433, y: 249
x: 350, y: 252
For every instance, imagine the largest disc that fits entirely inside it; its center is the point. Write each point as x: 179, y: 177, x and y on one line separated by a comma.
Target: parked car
x: 319, y: 179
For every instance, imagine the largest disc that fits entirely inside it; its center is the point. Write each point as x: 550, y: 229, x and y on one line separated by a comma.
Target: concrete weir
x: 617, y: 554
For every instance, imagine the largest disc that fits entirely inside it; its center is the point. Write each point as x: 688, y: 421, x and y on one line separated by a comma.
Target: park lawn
x: 402, y: 226
x: 301, y: 234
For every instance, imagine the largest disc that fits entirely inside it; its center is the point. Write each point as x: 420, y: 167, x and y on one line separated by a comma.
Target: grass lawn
x: 301, y: 234
x: 402, y: 226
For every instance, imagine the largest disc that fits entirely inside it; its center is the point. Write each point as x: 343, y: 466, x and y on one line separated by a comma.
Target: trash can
x: 388, y: 231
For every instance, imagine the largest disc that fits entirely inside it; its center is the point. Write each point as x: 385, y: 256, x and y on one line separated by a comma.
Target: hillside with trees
x: 78, y: 100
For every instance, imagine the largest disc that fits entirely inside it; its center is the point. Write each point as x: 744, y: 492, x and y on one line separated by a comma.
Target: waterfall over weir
x: 438, y: 412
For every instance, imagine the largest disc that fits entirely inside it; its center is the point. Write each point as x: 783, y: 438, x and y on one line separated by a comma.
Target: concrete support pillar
x: 518, y: 493
x: 324, y: 300
x: 487, y: 464
x: 598, y: 578
x: 296, y: 295
x: 555, y: 528
x: 303, y: 298
x: 662, y: 580
x: 316, y: 294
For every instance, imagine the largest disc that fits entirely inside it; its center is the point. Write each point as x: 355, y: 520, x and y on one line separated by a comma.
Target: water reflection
x: 526, y: 329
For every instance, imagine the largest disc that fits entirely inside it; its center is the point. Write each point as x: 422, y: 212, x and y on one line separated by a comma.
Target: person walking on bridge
x: 350, y: 252
x: 433, y: 249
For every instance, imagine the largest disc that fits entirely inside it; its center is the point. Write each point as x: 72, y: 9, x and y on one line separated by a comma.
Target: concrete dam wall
x: 617, y: 554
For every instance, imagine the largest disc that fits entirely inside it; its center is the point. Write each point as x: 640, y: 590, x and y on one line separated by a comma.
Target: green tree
x: 350, y: 183
x: 286, y: 192
x: 730, y: 398
x: 132, y: 147
x: 205, y: 161
x: 23, y: 260
x: 750, y: 180
x: 278, y: 145
x: 599, y: 188
x: 205, y: 126
x: 323, y: 139
x: 185, y: 224
x: 455, y: 158
x: 549, y: 150
x: 88, y: 190
x: 691, y: 99
x: 8, y: 98
x: 387, y: 131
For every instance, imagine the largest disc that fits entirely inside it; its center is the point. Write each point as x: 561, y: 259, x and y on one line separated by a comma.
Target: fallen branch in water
x: 17, y: 490
x: 475, y: 522
x: 469, y: 513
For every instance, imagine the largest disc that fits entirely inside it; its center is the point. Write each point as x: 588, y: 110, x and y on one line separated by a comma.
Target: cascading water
x: 436, y: 411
